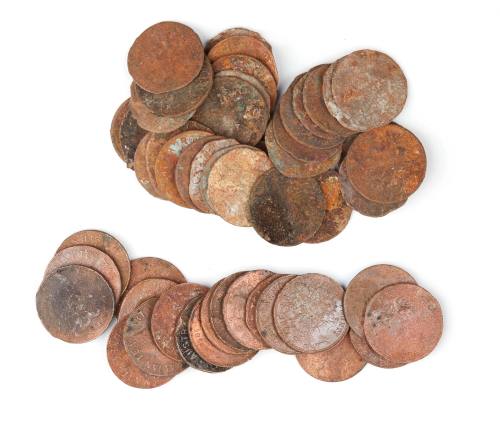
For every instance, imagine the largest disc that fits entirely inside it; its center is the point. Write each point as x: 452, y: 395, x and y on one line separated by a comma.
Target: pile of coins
x: 166, y: 324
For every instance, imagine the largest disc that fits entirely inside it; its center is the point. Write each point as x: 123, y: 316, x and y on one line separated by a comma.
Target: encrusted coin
x: 141, y: 166
x: 250, y: 79
x: 153, y: 267
x: 368, y: 354
x: 232, y: 32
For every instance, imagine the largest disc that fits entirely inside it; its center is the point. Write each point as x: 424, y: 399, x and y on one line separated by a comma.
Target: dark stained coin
x: 165, y: 57
x: 153, y: 267
x: 286, y: 211
x: 141, y: 166
x: 75, y: 304
x: 232, y: 32
x: 368, y: 354
x: 250, y: 79
x: 335, y: 364
x: 403, y: 323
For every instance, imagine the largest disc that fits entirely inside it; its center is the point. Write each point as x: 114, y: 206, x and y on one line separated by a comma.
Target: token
x: 286, y: 211
x: 165, y: 57
x: 250, y: 79
x: 368, y: 354
x: 308, y: 313
x: 368, y: 90
x: 236, y: 32
x: 140, y: 346
x: 141, y: 166
x: 335, y: 364
x: 153, y: 267
x: 364, y: 286
x: 75, y: 304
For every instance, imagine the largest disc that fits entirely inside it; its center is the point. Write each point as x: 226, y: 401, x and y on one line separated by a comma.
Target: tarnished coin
x: 403, y: 323
x: 386, y: 165
x: 308, y: 313
x: 368, y: 354
x: 232, y: 32
x: 141, y: 348
x: 230, y: 180
x: 368, y: 90
x: 167, y: 311
x: 165, y: 57
x: 122, y: 365
x: 75, y: 304
x: 364, y: 286
x: 141, y: 166
x: 335, y: 364
x: 250, y: 79
x: 286, y: 211
x: 153, y: 267
x: 107, y: 244
x: 235, y: 109
x: 92, y: 258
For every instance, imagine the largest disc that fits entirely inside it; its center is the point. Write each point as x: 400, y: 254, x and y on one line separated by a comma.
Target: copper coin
x: 403, y: 323
x: 286, y: 211
x: 184, y: 344
x: 167, y: 160
x: 368, y: 354
x: 230, y: 180
x: 180, y: 101
x: 386, y: 165
x: 140, y: 345
x: 335, y: 364
x: 75, y: 303
x: 141, y: 166
x: 91, y: 258
x: 107, y: 244
x: 167, y: 311
x: 153, y: 267
x: 235, y: 109
x: 197, y: 167
x: 251, y: 80
x: 122, y: 365
x: 234, y: 305
x: 232, y: 32
x: 194, y: 125
x: 364, y: 286
x: 368, y: 90
x: 156, y: 142
x: 308, y: 313
x: 165, y: 57
x: 149, y: 288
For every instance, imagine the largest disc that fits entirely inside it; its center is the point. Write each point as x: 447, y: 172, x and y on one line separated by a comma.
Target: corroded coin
x: 167, y: 311
x: 141, y: 166
x: 107, y: 244
x: 153, y: 267
x: 75, y: 304
x: 165, y: 57
x: 232, y: 32
x: 308, y: 313
x: 286, y: 211
x: 335, y: 364
x: 403, y: 323
x: 155, y: 143
x: 364, y: 286
x: 368, y: 354
x: 250, y: 79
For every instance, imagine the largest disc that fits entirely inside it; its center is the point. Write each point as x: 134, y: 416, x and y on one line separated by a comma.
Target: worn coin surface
x: 231, y: 32
x: 403, y: 323
x: 368, y: 354
x: 165, y: 57
x: 250, y: 79
x: 141, y: 166
x: 75, y: 303
x: 153, y: 267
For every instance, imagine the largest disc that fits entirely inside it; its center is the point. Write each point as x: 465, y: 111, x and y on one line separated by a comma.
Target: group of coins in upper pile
x: 166, y: 324
x: 198, y: 131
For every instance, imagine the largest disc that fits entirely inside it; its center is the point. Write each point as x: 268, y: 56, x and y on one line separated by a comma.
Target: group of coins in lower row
x: 166, y: 324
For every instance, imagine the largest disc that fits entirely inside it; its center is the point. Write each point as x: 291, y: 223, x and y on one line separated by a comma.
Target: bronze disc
x: 251, y: 80
x: 165, y: 57
x: 141, y: 166
x: 153, y: 267
x: 364, y: 286
x: 286, y: 211
x: 232, y: 32
x: 335, y: 364
x: 156, y: 141
x: 308, y: 313
x: 368, y: 354
x: 194, y: 125
x: 403, y: 323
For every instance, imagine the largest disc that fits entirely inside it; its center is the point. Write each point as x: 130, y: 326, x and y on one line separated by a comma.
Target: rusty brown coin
x: 166, y: 312
x: 403, y: 323
x: 75, y: 303
x: 232, y: 32
x: 368, y: 354
x: 250, y: 79
x: 153, y: 267
x: 194, y: 125
x: 286, y: 211
x: 140, y: 345
x: 335, y: 364
x: 165, y: 57
x: 364, y: 286
x: 141, y: 166
x: 92, y: 258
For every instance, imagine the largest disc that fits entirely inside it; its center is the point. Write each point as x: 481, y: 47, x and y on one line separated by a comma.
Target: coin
x: 140, y: 346
x: 153, y: 267
x: 167, y: 311
x: 75, y: 303
x: 368, y: 90
x: 335, y: 364
x: 286, y: 211
x: 165, y: 57
x: 92, y: 258
x: 155, y: 143
x: 141, y: 166
x: 231, y: 32
x: 107, y: 244
x: 251, y: 80
x: 364, y: 286
x: 308, y: 313
x: 403, y: 323
x: 368, y: 354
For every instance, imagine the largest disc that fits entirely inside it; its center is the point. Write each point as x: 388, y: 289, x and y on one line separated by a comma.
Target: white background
x: 63, y: 74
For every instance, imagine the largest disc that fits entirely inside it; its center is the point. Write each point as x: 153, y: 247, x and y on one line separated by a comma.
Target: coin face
x: 141, y: 166
x: 75, y: 303
x: 232, y: 32
x: 153, y: 267
x: 368, y: 354
x: 251, y: 80
x: 286, y: 211
x: 165, y: 57
x: 403, y: 323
